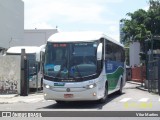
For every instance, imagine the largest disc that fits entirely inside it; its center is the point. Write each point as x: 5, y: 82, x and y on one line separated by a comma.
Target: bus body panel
x: 77, y: 96
x: 78, y: 89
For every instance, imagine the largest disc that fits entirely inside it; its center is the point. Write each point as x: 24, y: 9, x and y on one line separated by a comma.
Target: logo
x: 68, y: 90
x: 59, y: 84
x: 6, y: 114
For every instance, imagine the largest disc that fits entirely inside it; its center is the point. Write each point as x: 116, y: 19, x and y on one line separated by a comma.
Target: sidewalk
x: 8, y: 96
x: 14, y: 98
x: 140, y: 85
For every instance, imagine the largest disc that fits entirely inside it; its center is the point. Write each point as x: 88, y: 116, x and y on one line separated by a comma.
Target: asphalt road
x: 132, y: 99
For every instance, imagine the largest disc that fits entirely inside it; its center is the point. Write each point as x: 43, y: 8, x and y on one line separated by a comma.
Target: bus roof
x: 86, y: 36
x: 17, y: 49
x: 42, y: 47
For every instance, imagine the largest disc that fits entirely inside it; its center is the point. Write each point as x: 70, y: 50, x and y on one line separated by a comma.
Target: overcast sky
x: 80, y: 15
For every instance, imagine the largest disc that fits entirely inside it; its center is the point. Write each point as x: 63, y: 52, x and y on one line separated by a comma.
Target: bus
x: 34, y: 60
x: 83, y: 66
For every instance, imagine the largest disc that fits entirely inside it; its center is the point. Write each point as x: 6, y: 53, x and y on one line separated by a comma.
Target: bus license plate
x: 68, y: 95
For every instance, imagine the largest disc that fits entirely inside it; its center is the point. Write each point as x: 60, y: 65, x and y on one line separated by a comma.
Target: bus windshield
x: 70, y: 60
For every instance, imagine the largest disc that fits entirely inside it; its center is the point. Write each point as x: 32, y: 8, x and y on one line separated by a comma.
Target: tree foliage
x: 142, y: 24
x: 153, y: 21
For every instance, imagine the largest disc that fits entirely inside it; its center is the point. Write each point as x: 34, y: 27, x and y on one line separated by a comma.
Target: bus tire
x: 59, y: 102
x: 41, y: 83
x: 105, y: 98
x: 120, y: 91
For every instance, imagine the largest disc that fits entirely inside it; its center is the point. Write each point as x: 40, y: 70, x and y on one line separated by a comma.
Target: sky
x: 79, y: 15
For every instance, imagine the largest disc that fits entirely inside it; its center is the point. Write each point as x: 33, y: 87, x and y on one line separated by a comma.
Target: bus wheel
x: 105, y: 98
x: 59, y: 102
x: 120, y: 89
x: 41, y: 83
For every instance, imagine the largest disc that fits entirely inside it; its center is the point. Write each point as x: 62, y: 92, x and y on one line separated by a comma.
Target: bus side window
x: 122, y: 55
x: 109, y: 51
x: 118, y: 53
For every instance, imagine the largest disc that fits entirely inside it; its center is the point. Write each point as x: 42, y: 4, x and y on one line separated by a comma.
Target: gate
x: 154, y: 76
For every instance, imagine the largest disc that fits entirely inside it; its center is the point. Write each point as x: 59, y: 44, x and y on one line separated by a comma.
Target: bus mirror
x: 99, y: 52
x: 38, y: 56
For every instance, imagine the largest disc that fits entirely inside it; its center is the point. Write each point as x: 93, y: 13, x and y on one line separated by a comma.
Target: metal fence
x: 154, y: 76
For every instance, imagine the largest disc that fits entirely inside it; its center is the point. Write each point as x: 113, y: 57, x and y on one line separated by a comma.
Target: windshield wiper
x: 48, y: 76
x: 79, y: 74
x: 59, y: 72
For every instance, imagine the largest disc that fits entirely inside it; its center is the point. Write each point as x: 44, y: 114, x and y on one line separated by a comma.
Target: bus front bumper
x: 88, y: 94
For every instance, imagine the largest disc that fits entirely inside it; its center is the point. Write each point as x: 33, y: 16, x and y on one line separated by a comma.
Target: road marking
x: 29, y: 100
x: 159, y: 100
x: 143, y: 99
x: 125, y: 99
x: 49, y: 100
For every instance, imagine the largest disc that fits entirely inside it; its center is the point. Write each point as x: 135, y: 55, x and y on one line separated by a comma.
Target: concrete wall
x: 37, y: 37
x: 10, y: 74
x: 11, y: 22
x: 134, y: 51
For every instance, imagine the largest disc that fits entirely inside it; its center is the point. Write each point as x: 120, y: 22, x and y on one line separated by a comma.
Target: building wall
x: 36, y: 37
x: 134, y: 53
x: 11, y: 22
x: 10, y: 74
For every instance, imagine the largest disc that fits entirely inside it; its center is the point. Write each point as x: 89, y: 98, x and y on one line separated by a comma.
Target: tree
x: 134, y: 28
x: 142, y: 24
x: 153, y: 21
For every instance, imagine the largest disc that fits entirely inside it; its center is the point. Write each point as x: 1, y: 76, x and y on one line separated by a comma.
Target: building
x: 11, y: 22
x: 12, y: 27
x: 36, y: 37
x: 134, y: 50
x: 122, y: 34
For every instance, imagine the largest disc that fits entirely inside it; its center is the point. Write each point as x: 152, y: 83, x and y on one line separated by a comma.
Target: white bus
x: 34, y: 56
x: 83, y: 66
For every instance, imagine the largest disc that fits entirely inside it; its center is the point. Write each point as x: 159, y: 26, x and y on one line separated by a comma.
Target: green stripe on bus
x: 114, y: 77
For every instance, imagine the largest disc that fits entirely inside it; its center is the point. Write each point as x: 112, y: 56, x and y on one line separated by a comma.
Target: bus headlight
x: 46, y: 86
x: 91, y: 86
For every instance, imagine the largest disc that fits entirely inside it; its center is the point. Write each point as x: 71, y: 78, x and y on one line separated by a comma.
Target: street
x: 132, y: 99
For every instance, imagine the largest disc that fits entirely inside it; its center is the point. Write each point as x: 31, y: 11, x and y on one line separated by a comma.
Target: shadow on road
x: 82, y: 104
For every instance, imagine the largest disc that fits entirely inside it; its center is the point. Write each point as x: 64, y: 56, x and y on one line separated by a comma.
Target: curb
x: 138, y: 87
x: 9, y: 96
x: 21, y: 99
x: 132, y: 82
x: 16, y: 95
x: 4, y: 102
x: 141, y: 88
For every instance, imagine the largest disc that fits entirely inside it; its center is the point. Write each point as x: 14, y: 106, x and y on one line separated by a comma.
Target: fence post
x: 158, y: 76
x: 141, y: 68
x: 24, y: 77
x: 149, y: 76
x: 37, y: 76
